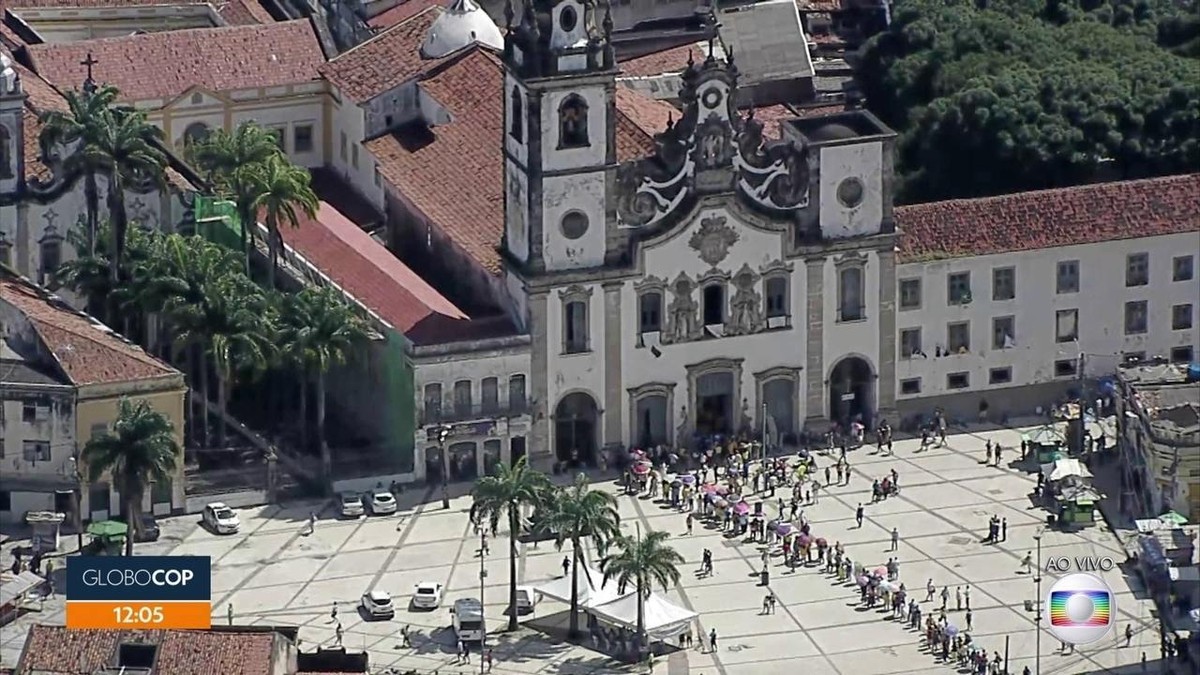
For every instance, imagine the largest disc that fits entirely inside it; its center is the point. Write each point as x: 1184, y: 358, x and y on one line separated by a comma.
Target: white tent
x: 592, y: 589
x: 1064, y: 468
x: 664, y: 619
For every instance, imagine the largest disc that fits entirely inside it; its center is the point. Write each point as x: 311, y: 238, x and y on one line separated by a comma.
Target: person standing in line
x: 945, y: 596
x: 958, y: 598
x: 967, y: 597
x: 566, y: 565
x: 712, y: 641
x: 930, y: 590
x: 827, y: 474
x: 895, y: 538
x: 1004, y: 529
x: 968, y: 617
x: 690, y: 518
x: 858, y: 516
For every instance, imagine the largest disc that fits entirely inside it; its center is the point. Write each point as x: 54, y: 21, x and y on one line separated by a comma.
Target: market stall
x: 662, y: 619
x: 1077, y: 504
x: 1046, y: 443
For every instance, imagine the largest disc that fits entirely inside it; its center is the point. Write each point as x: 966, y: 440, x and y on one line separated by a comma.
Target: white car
x: 221, y: 519
x: 382, y: 502
x: 352, y: 505
x: 378, y: 605
x: 427, y: 595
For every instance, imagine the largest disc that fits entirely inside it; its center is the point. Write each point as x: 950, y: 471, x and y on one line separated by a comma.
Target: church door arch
x: 653, y: 412
x: 850, y: 391
x: 714, y: 403
x: 779, y: 397
x: 576, y: 422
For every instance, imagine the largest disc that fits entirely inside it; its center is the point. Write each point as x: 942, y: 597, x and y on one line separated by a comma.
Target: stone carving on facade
x: 774, y: 175
x: 682, y: 322
x: 745, y: 316
x: 714, y: 239
x: 683, y: 437
x: 714, y: 148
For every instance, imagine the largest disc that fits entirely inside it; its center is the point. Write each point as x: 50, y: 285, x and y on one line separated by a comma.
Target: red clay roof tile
x: 87, y: 351
x: 368, y: 271
x: 244, y: 13
x: 1083, y: 214
x: 54, y: 649
x: 385, y: 61
x: 166, y: 64
x: 670, y: 60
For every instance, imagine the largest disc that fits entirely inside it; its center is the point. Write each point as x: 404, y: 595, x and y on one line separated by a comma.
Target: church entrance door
x: 714, y: 404
x: 850, y: 392
x: 576, y: 420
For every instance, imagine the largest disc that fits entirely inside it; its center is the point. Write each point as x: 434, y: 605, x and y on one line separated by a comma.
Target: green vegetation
x: 999, y: 96
x: 644, y: 561
x: 138, y: 450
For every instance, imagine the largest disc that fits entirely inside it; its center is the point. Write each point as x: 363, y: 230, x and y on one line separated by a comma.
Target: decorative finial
x: 729, y: 55
x: 670, y: 121
x: 608, y: 20
x: 508, y: 14
x: 691, y: 58
x: 89, y: 84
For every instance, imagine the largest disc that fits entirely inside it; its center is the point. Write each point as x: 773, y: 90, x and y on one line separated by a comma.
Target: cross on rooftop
x: 89, y: 84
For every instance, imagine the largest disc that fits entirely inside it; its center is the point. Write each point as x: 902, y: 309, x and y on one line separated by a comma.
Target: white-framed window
x: 958, y: 288
x: 910, y: 343
x: 650, y: 311
x: 1067, y: 277
x: 1004, y: 283
x: 1004, y: 332
x: 1137, y: 269
x: 776, y: 291
x: 1135, y: 317
x: 1181, y: 317
x: 958, y: 337
x: 302, y: 138
x: 851, y: 295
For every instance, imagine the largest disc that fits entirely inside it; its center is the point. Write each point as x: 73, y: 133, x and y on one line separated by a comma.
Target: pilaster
x: 539, y: 438
x: 886, y: 394
x: 612, y: 365
x: 814, y: 287
x: 22, y: 244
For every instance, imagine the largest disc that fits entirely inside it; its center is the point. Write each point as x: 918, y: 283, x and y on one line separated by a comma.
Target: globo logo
x: 134, y: 577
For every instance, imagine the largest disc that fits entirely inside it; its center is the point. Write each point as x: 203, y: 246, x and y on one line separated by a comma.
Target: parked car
x: 467, y: 620
x: 352, y: 505
x: 527, y: 599
x: 378, y: 605
x: 427, y: 595
x: 150, y: 531
x: 382, y: 502
x: 221, y: 519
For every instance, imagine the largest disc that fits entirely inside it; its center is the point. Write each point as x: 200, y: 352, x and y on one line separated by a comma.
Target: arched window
x: 516, y: 122
x: 195, y: 132
x: 850, y: 294
x: 6, y: 153
x: 573, y: 123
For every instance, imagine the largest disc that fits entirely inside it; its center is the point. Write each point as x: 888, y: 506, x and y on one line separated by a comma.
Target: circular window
x: 711, y: 98
x: 567, y: 18
x: 850, y: 192
x: 574, y: 225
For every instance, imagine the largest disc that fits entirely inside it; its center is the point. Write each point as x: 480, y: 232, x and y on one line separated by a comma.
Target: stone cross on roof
x: 89, y: 84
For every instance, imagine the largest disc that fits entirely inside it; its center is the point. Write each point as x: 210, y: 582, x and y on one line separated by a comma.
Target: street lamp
x: 1037, y: 619
x: 443, y: 434
x: 77, y: 495
x: 482, y: 604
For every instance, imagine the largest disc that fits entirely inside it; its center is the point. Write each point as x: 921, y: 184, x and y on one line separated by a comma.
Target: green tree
x: 643, y: 561
x: 241, y: 331
x: 503, y: 495
x: 578, y: 513
x: 138, y: 450
x: 284, y: 192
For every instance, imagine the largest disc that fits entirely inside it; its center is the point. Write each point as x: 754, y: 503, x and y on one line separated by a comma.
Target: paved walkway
x: 273, y: 573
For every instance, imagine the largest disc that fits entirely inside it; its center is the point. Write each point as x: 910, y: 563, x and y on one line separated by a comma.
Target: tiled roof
x: 402, y: 12
x: 453, y: 173
x: 385, y: 61
x: 1084, y: 214
x: 166, y: 64
x: 670, y: 60
x: 54, y: 649
x: 819, y: 5
x: 88, y: 352
x: 368, y: 271
x: 244, y: 12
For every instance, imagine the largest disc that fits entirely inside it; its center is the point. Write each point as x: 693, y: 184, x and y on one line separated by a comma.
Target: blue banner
x: 134, y: 578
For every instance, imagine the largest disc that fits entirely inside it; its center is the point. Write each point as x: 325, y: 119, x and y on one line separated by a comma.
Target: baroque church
x: 725, y: 278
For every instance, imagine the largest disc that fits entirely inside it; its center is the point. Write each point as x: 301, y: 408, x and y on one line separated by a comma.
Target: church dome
x: 461, y: 24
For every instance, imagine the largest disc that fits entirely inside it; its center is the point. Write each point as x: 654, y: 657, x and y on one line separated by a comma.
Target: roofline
x: 161, y: 384
x: 1037, y: 194
x: 386, y: 31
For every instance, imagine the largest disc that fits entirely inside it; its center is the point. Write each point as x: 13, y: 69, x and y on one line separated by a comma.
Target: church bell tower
x: 12, y: 141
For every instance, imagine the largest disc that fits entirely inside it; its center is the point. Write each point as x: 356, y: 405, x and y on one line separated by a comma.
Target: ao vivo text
x: 1091, y: 563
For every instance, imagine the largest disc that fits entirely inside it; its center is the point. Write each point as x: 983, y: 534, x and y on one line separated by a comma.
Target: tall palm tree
x: 66, y: 131
x: 643, y: 561
x: 503, y: 495
x: 580, y: 513
x: 140, y: 449
x: 240, y: 333
x: 318, y: 331
x: 232, y: 162
x: 284, y: 192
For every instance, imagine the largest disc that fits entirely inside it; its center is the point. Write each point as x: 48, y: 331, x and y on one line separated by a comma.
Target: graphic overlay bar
x: 139, y: 592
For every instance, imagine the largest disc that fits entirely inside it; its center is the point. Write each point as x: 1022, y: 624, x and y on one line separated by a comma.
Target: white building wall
x: 346, y: 141
x: 850, y: 338
x: 554, y: 158
x: 582, y: 372
x: 1100, y: 300
x: 860, y: 163
x: 563, y: 195
x: 54, y: 423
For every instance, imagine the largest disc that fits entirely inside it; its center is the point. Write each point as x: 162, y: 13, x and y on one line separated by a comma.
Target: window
x: 1066, y: 325
x: 1182, y: 354
x: 97, y: 430
x: 6, y: 153
x: 195, y: 132
x: 280, y: 134
x: 958, y: 380
x: 574, y: 224
x: 1000, y: 375
x: 650, y: 312
x: 51, y: 254
x: 1068, y: 276
x: 388, y: 121
x: 99, y: 498
x: 516, y: 120
x: 1064, y: 368
x: 1004, y: 332
x: 1182, y: 268
x: 1181, y: 317
x: 910, y: 293
x: 958, y: 337
x: 573, y: 123
x: 36, y: 451
x: 302, y: 138
x: 777, y: 296
x: 714, y: 304
x: 910, y: 343
x: 1137, y: 269
x: 958, y: 288
x: 489, y: 394
x: 197, y: 98
x: 160, y: 492
x: 462, y: 397
x: 850, y: 294
x: 433, y: 402
x: 516, y: 392
x: 575, y: 324
x: 910, y: 386
x: 5, y: 500
x: 342, y: 146
x: 1135, y: 317
x: 1004, y: 283
x: 33, y: 412
x: 354, y: 156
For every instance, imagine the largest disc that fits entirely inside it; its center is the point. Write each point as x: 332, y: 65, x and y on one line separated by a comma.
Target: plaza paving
x: 274, y: 573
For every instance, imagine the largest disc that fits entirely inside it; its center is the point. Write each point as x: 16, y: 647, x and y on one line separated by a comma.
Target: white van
x: 527, y: 599
x: 467, y: 618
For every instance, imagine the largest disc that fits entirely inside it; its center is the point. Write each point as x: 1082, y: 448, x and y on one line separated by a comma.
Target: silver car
x: 378, y: 605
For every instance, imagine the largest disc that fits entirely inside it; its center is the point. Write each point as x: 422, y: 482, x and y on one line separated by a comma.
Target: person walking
x: 229, y: 613
x: 339, y: 633
x: 1004, y: 529
x: 566, y: 565
x: 766, y: 607
x: 333, y: 614
x: 690, y: 518
x: 487, y: 658
x: 895, y: 538
x: 945, y: 596
x: 1128, y: 634
x: 466, y: 651
x: 858, y: 516
x: 712, y: 641
x: 968, y: 617
x: 405, y: 640
x: 1027, y: 562
x: 967, y: 598
x: 827, y: 474
x: 930, y: 589
x: 958, y: 598
x: 312, y: 522
x: 847, y: 467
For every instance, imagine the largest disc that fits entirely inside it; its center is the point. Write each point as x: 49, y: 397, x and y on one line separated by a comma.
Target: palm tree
x: 502, y: 496
x: 576, y: 514
x: 71, y: 129
x: 643, y: 561
x: 319, y: 330
x: 284, y: 192
x: 240, y: 332
x: 231, y: 162
x: 140, y: 449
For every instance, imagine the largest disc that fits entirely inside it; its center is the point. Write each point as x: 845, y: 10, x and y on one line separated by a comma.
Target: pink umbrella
x: 880, y: 572
x: 641, y: 469
x: 720, y: 503
x: 742, y: 508
x: 784, y: 529
x: 722, y: 490
x: 805, y: 540
x: 863, y: 581
x: 709, y: 488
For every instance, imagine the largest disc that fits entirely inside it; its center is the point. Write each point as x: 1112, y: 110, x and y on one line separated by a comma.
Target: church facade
x: 722, y: 281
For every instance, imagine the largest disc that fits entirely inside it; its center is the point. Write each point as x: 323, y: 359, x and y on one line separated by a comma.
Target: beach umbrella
x: 950, y: 630
x: 742, y: 508
x: 784, y: 529
x: 108, y: 528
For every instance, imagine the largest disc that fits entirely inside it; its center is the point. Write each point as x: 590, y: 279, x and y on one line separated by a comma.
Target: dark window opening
x: 576, y: 337
x: 714, y: 305
x: 1064, y: 368
x: 1000, y: 376
x: 777, y: 288
x: 516, y: 121
x: 650, y: 311
x: 958, y: 380
x: 136, y: 656
x: 912, y: 386
x: 1182, y: 354
x: 573, y: 123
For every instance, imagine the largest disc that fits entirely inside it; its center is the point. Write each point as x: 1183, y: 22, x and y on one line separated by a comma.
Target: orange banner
x: 138, y: 615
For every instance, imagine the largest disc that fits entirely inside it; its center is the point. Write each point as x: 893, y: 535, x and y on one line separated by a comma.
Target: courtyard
x: 275, y: 573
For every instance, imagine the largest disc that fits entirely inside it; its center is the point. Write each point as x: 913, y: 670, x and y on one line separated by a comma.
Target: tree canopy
x: 998, y: 96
